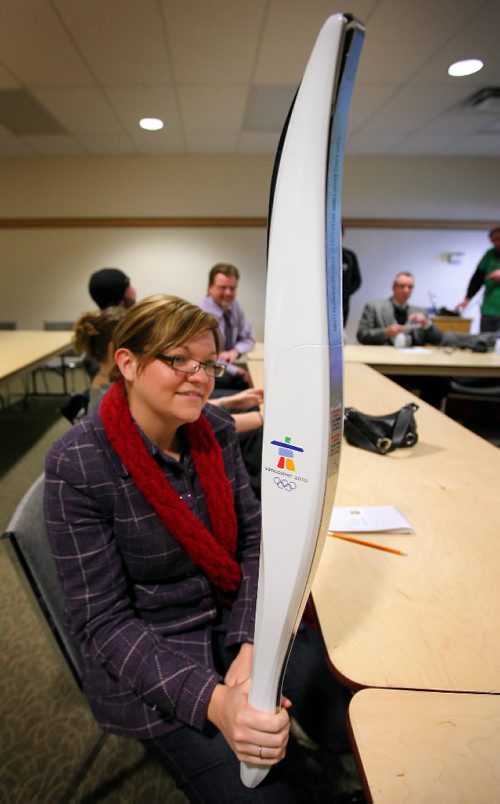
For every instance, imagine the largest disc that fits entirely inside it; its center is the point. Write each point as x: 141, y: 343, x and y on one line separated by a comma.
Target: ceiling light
x: 465, y: 67
x: 151, y: 123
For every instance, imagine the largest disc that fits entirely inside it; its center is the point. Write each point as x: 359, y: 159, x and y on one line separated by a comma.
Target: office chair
x: 75, y: 407
x: 6, y: 325
x: 473, y: 401
x: 62, y: 364
x: 29, y: 550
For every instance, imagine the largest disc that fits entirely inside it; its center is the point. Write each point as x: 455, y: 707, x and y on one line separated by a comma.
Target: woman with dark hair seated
x: 93, y: 337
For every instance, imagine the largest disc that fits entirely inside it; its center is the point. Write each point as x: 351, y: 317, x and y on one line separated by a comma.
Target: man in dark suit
x: 351, y: 278
x: 384, y: 321
x: 394, y: 321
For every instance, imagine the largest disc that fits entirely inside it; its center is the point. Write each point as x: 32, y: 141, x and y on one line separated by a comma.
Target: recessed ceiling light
x: 465, y: 67
x: 151, y: 123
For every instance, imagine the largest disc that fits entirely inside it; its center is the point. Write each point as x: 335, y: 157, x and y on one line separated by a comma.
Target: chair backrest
x: 8, y: 324
x: 75, y: 407
x: 30, y: 552
x: 58, y: 325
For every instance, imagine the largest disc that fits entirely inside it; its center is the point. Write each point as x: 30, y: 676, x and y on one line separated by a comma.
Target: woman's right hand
x: 259, y: 738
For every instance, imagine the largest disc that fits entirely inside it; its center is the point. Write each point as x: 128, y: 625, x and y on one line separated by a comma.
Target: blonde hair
x: 161, y: 322
x: 93, y: 332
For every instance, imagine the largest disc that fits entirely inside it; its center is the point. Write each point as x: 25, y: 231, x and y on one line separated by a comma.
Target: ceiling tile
x: 493, y: 127
x: 372, y: 143
x: 34, y: 45
x: 135, y: 28
x: 212, y: 108
x: 211, y: 68
x: 22, y: 113
x: 11, y: 145
x: 212, y: 142
x: 7, y: 81
x: 412, y: 107
x: 166, y: 141
x: 107, y: 144
x: 414, y: 144
x: 457, y: 122
x: 62, y: 145
x: 476, y: 145
x: 477, y: 39
x: 252, y: 142
x: 367, y: 99
x: 402, y: 36
x: 214, y: 41
x: 267, y: 107
x: 80, y: 109
x: 132, y: 103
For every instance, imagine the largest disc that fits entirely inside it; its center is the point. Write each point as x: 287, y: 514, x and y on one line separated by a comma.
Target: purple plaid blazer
x: 139, y: 611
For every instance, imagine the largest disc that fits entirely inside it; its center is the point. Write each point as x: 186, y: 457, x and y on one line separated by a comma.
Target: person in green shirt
x: 487, y: 273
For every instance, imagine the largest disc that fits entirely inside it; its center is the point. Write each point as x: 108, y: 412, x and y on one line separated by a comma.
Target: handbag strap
x: 401, y: 424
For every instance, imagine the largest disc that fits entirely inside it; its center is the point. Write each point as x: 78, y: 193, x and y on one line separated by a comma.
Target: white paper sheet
x: 369, y: 519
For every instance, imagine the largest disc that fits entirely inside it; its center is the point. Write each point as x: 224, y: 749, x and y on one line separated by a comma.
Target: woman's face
x: 161, y: 391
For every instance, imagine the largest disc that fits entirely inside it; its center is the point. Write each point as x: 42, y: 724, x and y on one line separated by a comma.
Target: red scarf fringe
x: 213, y: 551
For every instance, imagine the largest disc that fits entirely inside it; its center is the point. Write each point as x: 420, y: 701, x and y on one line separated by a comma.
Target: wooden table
x: 452, y: 323
x: 430, y: 361
x: 422, y: 747
x: 428, y: 620
x: 24, y: 350
x: 257, y: 352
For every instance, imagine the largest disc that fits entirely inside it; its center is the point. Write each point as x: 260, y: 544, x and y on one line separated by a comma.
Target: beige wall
x: 142, y: 185
x: 45, y: 272
x: 376, y: 187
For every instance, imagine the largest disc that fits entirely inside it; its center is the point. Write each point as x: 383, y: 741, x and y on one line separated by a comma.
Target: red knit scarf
x: 213, y: 552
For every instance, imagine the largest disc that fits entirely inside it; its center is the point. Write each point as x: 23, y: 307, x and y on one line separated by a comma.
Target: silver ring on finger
x: 260, y: 752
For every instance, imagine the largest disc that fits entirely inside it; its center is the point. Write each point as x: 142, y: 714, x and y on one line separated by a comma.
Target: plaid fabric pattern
x: 140, y: 612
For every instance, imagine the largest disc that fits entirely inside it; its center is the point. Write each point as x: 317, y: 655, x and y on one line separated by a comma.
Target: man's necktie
x: 400, y: 314
x: 228, y: 340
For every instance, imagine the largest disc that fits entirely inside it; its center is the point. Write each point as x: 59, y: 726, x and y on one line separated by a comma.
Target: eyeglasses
x: 190, y: 366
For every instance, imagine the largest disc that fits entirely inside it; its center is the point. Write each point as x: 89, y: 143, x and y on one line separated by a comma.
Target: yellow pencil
x: 366, y: 544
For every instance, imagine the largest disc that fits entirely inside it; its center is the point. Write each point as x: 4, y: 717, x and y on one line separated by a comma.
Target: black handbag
x: 381, y: 433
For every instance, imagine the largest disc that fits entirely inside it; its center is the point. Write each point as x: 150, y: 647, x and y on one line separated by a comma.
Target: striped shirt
x: 239, y: 335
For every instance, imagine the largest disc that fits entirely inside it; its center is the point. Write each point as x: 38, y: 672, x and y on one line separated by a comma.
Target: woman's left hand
x: 241, y: 667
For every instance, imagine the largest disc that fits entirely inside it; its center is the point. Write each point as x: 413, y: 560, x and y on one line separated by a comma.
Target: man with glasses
x: 237, y: 337
x: 394, y: 321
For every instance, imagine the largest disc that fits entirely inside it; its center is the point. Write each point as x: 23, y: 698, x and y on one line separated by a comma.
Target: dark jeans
x: 205, y: 768
x: 251, y: 450
x: 229, y: 383
x: 490, y: 323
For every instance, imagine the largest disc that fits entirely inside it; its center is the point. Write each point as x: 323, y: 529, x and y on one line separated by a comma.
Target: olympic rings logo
x: 286, y: 485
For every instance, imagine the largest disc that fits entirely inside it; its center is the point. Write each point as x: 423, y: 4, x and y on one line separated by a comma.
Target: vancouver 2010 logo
x: 286, y: 453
